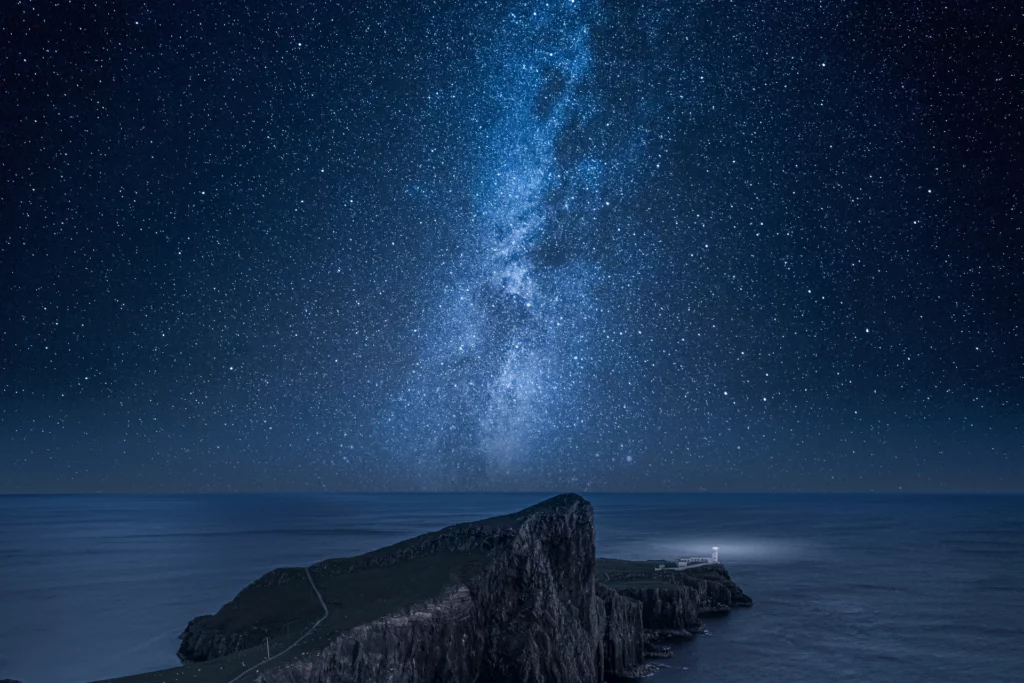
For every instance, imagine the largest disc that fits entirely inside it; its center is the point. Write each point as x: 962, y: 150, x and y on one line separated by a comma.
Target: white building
x: 685, y: 562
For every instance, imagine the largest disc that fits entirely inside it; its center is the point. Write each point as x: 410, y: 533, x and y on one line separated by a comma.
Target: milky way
x: 511, y: 245
x: 502, y: 381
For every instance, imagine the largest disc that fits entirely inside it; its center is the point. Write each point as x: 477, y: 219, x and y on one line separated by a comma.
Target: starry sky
x: 504, y: 245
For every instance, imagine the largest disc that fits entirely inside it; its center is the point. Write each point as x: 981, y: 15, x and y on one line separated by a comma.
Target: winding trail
x: 300, y: 638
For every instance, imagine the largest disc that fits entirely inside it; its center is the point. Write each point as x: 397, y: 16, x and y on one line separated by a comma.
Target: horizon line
x: 550, y: 492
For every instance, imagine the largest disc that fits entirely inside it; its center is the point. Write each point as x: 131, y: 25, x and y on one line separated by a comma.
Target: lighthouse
x: 714, y: 554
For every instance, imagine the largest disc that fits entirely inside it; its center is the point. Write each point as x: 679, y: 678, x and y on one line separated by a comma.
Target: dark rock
x: 199, y: 643
x: 657, y: 635
x: 658, y: 651
x: 668, y: 608
x: 673, y: 600
x: 640, y: 671
x: 714, y: 589
x: 279, y: 602
x: 623, y: 632
x: 531, y: 614
x: 508, y: 599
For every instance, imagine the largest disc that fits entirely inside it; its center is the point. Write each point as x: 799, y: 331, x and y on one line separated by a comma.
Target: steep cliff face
x: 672, y: 601
x: 713, y: 588
x: 623, y: 632
x: 278, y: 603
x: 199, y: 643
x: 530, y: 614
x: 669, y: 610
x: 433, y: 641
x: 513, y: 599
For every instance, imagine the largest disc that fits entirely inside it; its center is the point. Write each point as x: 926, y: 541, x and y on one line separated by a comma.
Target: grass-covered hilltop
x: 515, y: 598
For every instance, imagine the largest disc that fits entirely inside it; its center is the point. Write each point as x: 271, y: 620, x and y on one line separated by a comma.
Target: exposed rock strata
x: 199, y: 644
x: 668, y: 611
x: 530, y: 615
x: 623, y: 632
x: 674, y: 600
x: 531, y: 611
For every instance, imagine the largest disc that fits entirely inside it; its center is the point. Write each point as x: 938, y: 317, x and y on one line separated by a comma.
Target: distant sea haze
x: 846, y: 587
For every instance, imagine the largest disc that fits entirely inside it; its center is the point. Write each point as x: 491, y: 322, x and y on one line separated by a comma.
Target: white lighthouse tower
x: 714, y: 554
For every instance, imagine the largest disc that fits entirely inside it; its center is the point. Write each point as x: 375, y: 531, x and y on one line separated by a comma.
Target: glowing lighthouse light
x: 714, y: 554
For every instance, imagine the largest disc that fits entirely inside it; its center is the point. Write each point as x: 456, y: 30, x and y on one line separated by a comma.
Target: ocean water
x: 846, y: 587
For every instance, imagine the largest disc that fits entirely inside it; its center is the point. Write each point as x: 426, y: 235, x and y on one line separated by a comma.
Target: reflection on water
x: 847, y: 588
x: 731, y: 548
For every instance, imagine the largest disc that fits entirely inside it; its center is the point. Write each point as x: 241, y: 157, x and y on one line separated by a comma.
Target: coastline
x: 506, y: 597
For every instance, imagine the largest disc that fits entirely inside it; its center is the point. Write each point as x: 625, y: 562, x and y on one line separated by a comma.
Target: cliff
x: 275, y: 606
x: 672, y: 601
x: 623, y: 637
x: 526, y: 612
x: 514, y: 598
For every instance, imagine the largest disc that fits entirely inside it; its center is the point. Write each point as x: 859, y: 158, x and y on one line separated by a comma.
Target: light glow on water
x: 730, y: 549
x: 838, y: 594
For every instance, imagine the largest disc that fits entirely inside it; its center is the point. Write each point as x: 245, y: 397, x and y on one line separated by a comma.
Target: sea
x: 846, y: 587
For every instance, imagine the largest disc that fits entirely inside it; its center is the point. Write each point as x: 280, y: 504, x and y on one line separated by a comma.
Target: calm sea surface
x: 846, y: 587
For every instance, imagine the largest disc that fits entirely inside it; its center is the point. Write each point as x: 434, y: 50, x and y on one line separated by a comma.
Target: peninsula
x: 521, y: 597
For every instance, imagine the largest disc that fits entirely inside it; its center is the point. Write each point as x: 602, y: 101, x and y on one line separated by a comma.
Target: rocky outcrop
x: 530, y: 608
x: 531, y: 614
x: 623, y: 631
x: 433, y: 640
x: 667, y: 611
x: 713, y: 589
x: 672, y: 601
x: 200, y: 643
x: 279, y: 602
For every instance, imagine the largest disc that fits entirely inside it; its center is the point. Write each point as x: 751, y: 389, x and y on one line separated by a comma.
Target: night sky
x: 653, y: 245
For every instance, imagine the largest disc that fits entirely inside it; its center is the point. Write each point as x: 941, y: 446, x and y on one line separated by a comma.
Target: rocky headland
x: 515, y: 598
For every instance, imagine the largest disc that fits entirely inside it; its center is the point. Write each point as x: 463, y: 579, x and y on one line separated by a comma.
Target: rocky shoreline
x: 515, y: 598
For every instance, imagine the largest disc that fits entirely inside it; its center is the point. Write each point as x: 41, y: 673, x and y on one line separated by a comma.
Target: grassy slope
x: 352, y: 597
x: 282, y: 599
x: 630, y: 574
x: 641, y: 574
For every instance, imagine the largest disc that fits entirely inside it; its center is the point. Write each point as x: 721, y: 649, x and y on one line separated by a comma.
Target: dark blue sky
x: 511, y: 245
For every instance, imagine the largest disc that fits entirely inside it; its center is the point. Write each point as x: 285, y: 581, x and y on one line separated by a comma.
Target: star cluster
x: 511, y: 245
